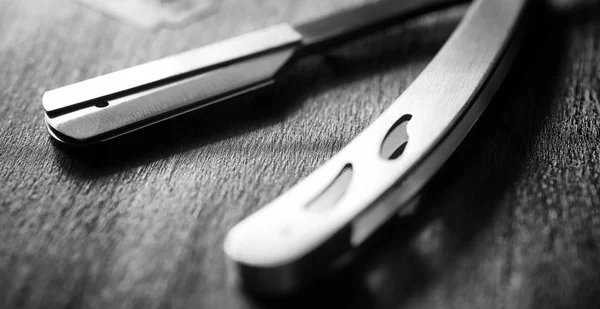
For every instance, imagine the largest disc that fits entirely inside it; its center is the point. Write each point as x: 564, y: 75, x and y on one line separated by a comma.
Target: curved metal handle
x: 306, y: 229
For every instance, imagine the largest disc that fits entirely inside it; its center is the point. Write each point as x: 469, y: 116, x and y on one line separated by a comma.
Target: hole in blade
x: 396, y: 139
x: 101, y: 104
x: 328, y: 199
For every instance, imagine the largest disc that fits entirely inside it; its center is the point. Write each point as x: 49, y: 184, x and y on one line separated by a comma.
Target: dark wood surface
x: 512, y: 221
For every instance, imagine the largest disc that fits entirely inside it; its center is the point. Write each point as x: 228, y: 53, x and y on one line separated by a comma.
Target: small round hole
x: 101, y: 104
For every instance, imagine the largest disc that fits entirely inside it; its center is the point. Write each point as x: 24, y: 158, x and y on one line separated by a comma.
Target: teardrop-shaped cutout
x: 327, y: 200
x: 396, y: 139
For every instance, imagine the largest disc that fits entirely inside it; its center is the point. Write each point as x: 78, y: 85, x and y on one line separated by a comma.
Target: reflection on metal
x: 152, y: 92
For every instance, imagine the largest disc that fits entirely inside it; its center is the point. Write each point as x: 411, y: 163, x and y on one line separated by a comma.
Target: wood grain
x: 512, y: 221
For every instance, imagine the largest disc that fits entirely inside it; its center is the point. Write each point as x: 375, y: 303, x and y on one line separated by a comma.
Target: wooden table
x: 512, y: 220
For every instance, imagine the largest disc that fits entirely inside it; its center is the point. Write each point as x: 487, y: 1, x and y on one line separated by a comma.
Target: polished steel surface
x: 274, y: 249
x: 92, y: 121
